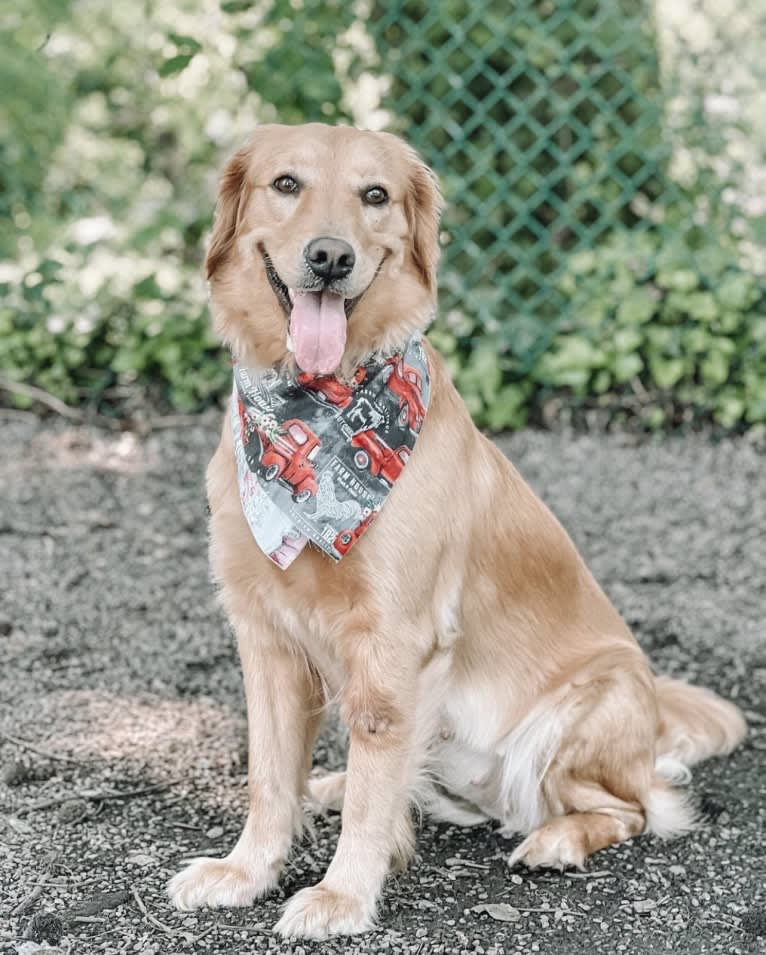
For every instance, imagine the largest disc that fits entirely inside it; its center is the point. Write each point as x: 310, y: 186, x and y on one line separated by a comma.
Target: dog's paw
x: 218, y: 883
x: 320, y: 911
x: 549, y: 848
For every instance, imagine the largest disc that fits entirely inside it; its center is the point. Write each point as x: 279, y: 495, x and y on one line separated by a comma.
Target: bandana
x: 317, y: 456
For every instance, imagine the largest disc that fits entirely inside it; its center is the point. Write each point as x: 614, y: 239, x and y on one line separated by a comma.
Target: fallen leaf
x: 499, y: 911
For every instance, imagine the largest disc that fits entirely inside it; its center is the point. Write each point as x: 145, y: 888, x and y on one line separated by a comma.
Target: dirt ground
x: 122, y: 728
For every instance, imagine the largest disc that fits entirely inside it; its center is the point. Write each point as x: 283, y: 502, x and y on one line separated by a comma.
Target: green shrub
x: 544, y: 123
x: 681, y: 329
x: 668, y: 331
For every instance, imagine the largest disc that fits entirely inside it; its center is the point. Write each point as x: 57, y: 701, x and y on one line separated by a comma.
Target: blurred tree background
x: 604, y: 163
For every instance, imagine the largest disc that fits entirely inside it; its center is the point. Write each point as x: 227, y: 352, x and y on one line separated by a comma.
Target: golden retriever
x: 480, y: 669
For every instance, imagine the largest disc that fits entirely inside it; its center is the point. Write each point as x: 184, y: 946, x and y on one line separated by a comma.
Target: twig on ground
x: 107, y: 796
x: 28, y: 901
x: 521, y: 908
x: 197, y: 938
x: 44, y: 397
x: 150, y: 918
x: 25, y: 744
x: 599, y: 874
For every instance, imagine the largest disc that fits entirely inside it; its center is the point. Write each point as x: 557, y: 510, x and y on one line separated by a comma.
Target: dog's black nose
x: 329, y: 258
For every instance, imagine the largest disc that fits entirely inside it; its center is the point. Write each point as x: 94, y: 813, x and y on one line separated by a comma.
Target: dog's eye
x: 285, y: 184
x: 375, y: 196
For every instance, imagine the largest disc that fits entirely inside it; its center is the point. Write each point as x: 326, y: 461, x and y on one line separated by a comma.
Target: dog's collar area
x: 317, y: 456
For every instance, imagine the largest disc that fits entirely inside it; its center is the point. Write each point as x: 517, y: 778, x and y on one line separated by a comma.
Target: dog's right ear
x: 233, y: 195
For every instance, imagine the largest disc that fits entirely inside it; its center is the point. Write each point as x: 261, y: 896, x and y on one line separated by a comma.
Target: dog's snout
x: 329, y: 258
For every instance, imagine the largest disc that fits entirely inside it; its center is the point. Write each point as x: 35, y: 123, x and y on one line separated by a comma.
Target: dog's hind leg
x: 567, y: 841
x: 326, y: 792
x: 601, y: 787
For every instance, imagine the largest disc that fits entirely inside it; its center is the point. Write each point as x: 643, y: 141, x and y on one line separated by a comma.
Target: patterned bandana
x: 317, y: 457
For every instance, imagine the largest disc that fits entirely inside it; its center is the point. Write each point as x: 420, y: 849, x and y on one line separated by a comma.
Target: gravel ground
x: 122, y: 718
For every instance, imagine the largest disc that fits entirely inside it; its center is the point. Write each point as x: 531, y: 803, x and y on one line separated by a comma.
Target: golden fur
x: 481, y: 670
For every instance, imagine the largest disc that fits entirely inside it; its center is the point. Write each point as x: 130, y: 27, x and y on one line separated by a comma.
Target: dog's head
x: 329, y: 234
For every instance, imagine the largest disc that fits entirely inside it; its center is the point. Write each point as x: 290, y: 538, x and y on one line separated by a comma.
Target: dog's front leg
x: 283, y: 707
x: 376, y: 823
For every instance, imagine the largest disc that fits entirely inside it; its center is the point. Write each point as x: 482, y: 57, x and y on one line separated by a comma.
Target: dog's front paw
x: 321, y: 911
x: 218, y: 883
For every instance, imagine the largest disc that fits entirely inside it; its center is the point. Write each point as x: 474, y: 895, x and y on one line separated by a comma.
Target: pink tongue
x: 318, y: 331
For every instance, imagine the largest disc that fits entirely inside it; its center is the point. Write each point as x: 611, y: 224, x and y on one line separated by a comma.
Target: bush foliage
x: 120, y: 117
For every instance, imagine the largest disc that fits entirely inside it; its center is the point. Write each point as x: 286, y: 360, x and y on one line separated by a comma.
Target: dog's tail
x: 693, y: 724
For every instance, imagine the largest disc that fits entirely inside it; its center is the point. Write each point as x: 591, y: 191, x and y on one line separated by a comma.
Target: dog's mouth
x: 317, y: 320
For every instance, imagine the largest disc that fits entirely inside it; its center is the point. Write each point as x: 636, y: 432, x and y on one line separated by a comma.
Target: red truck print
x: 375, y: 455
x: 329, y: 389
x: 346, y: 539
x: 289, y: 458
x: 407, y: 385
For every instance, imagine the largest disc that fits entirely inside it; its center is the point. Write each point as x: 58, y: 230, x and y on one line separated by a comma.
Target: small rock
x: 644, y: 905
x: 215, y: 833
x: 73, y: 812
x: 45, y: 927
x: 6, y: 627
x: 16, y: 772
x: 140, y: 858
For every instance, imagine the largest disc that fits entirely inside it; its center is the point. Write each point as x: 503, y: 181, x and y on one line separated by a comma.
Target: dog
x: 481, y: 671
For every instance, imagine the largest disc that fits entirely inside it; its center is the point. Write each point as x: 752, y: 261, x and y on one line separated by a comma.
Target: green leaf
x: 627, y: 339
x: 637, y: 307
x: 729, y: 410
x: 702, y: 306
x: 185, y: 44
x: 715, y: 368
x: 681, y: 280
x: 175, y: 64
x: 666, y: 372
x: 737, y: 291
x: 653, y: 417
x: 627, y: 366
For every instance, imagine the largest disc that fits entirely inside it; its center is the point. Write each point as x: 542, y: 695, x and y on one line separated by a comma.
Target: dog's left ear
x: 423, y: 205
x: 232, y: 198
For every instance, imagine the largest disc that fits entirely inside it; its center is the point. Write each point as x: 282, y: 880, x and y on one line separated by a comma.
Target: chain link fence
x: 544, y: 121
